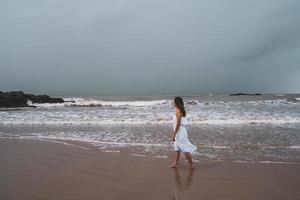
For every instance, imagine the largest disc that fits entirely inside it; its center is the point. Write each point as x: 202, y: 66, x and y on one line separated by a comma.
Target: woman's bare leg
x: 189, y: 158
x: 176, y: 160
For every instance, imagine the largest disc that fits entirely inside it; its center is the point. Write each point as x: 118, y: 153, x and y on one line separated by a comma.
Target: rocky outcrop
x: 293, y: 100
x: 20, y: 99
x: 239, y: 94
x: 191, y: 103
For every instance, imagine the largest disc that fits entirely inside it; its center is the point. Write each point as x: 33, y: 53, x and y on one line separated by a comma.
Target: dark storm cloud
x: 149, y: 47
x: 283, y: 34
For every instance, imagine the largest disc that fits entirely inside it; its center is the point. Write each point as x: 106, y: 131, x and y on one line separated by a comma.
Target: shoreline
x: 83, y: 145
x: 33, y: 169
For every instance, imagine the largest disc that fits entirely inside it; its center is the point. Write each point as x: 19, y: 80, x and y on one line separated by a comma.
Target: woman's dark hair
x: 179, y: 104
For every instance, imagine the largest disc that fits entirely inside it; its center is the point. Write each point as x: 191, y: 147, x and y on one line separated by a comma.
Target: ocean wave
x: 74, y: 112
x: 92, y: 102
x: 229, y: 121
x: 236, y: 103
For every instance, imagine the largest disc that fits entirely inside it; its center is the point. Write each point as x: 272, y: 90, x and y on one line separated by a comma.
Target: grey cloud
x: 283, y: 33
x: 122, y: 47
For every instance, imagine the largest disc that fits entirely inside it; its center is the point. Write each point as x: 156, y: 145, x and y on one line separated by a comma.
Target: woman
x: 180, y: 137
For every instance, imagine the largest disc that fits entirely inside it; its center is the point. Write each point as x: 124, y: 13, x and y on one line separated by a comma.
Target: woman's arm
x: 178, y: 118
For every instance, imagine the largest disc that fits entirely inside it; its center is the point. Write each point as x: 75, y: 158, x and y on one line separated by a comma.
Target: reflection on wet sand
x: 181, y: 185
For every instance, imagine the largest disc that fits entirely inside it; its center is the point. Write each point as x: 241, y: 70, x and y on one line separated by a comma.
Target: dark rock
x: 239, y: 94
x: 293, y: 100
x: 44, y: 99
x: 191, y: 103
x: 19, y: 99
x: 70, y: 101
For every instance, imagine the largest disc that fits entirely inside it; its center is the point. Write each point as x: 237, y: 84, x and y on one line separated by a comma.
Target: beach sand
x: 33, y: 169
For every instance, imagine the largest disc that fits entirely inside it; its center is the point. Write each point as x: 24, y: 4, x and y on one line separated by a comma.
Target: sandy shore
x: 31, y: 169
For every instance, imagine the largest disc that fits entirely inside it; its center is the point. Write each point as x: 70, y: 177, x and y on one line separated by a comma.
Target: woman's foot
x: 192, y: 166
x: 173, y: 166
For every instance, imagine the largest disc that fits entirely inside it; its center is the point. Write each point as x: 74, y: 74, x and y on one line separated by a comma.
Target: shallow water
x: 214, y: 142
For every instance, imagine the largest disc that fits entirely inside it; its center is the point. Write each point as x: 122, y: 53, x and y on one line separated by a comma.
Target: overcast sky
x: 132, y: 47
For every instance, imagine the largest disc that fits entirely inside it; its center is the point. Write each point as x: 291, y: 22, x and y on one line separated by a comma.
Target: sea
x: 260, y: 128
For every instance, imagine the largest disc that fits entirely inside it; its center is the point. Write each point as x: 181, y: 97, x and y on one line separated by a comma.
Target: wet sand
x: 32, y: 169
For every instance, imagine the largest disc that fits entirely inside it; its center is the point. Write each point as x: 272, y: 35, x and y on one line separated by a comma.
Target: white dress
x: 182, y: 142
